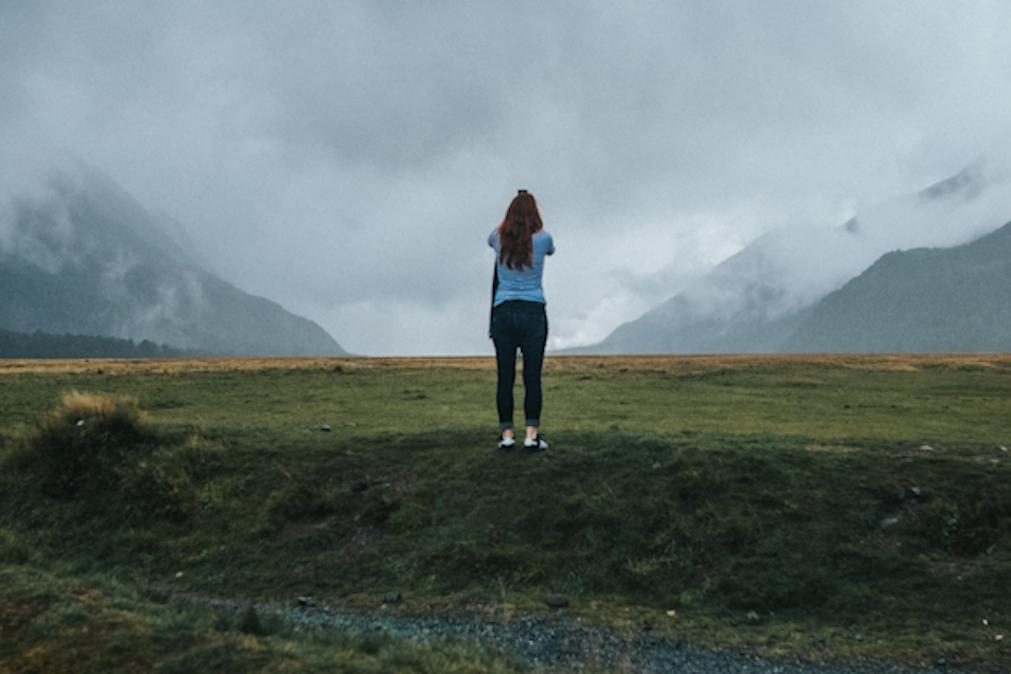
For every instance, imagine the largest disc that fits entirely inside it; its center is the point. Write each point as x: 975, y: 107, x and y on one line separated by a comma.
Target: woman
x: 518, y: 317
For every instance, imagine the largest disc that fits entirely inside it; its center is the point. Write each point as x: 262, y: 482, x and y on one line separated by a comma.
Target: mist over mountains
x: 925, y: 272
x: 78, y: 255
x: 768, y: 297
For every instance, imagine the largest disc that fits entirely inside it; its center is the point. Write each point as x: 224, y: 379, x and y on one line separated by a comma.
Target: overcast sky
x: 348, y: 159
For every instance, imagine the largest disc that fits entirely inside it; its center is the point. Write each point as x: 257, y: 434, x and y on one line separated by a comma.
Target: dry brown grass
x: 168, y: 365
x: 670, y: 364
x: 674, y: 364
x: 83, y: 405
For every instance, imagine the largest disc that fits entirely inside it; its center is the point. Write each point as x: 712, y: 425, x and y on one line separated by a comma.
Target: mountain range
x: 81, y: 256
x: 809, y: 289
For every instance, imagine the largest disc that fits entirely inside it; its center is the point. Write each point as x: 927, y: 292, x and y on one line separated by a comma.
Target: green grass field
x: 854, y: 506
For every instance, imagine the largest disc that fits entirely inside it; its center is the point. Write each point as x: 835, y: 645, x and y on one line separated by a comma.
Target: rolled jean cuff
x: 533, y: 422
x: 505, y: 425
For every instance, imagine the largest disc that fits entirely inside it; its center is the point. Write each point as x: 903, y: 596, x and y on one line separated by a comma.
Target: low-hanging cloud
x: 348, y: 159
x: 794, y: 266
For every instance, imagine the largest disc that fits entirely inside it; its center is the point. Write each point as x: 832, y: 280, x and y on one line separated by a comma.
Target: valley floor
x: 816, y: 508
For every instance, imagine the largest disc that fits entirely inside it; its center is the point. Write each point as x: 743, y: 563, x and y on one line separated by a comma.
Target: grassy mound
x: 103, y: 452
x: 719, y: 523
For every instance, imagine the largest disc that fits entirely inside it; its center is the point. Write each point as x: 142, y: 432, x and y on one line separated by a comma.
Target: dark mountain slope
x: 920, y: 300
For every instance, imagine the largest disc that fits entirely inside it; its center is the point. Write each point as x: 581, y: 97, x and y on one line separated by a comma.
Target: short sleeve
x: 493, y: 238
x: 551, y: 245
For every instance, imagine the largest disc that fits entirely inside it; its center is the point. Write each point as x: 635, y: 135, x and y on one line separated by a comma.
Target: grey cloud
x: 348, y: 159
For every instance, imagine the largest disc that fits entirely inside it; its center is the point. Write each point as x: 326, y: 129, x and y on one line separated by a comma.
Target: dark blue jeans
x: 524, y: 326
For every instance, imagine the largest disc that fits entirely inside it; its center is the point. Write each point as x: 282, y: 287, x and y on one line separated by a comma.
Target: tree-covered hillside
x: 44, y: 345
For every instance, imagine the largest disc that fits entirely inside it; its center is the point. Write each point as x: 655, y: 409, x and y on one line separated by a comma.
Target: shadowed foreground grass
x: 822, y: 508
x: 72, y: 626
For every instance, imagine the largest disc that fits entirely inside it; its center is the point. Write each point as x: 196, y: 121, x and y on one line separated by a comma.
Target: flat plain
x: 826, y: 508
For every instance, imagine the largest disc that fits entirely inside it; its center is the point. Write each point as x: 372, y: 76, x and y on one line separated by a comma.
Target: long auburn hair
x: 522, y: 221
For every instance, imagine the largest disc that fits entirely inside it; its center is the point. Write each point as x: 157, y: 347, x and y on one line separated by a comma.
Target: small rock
x: 671, y: 613
x: 753, y: 618
x: 1003, y: 448
x: 926, y: 448
x: 391, y: 598
x: 941, y: 662
x: 915, y: 492
x: 80, y: 422
x: 656, y: 465
x: 306, y: 601
x: 179, y: 574
x: 858, y: 637
x: 998, y: 637
x: 325, y: 428
x: 986, y: 623
x: 889, y: 522
x: 556, y: 601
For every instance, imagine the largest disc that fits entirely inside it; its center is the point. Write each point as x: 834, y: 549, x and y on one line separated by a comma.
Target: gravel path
x: 561, y: 644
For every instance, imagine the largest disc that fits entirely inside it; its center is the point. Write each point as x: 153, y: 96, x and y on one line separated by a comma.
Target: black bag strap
x: 494, y: 289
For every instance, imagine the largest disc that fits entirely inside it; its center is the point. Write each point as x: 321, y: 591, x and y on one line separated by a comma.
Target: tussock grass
x: 121, y: 411
x: 102, y: 451
x: 73, y: 446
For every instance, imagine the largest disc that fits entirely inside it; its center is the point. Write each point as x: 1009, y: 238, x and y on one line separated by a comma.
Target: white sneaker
x: 537, y: 444
x: 506, y: 443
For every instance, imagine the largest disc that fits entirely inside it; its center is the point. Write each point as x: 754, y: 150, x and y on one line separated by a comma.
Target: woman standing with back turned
x: 518, y: 316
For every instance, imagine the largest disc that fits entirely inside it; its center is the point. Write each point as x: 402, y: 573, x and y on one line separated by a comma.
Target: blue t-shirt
x: 525, y: 283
